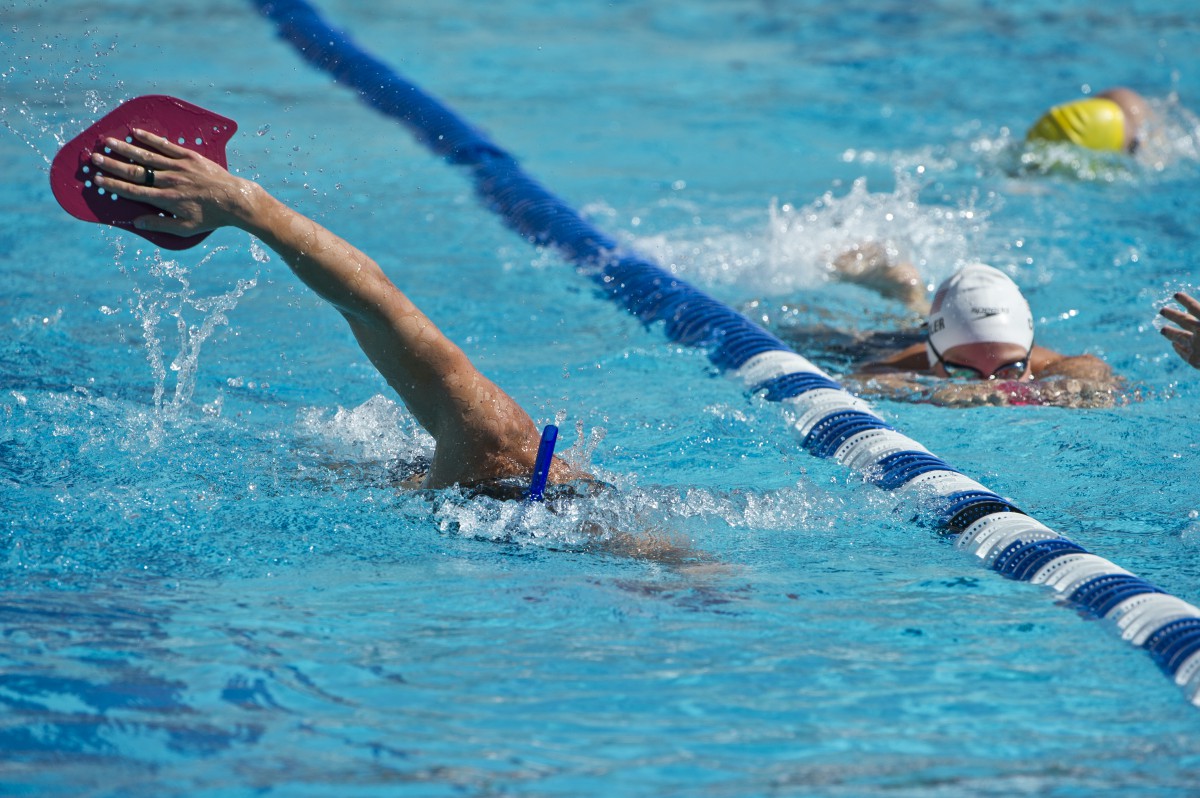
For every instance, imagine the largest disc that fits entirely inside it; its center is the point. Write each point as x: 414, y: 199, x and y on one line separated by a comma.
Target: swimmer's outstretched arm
x: 481, y: 432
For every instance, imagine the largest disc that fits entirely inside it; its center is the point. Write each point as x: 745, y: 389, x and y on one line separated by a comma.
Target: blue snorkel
x: 541, y: 466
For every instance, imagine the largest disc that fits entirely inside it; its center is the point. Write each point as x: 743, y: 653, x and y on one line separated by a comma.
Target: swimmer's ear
x: 72, y: 173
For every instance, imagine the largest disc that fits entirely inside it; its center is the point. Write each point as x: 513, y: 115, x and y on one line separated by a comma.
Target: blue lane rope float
x: 541, y: 465
x: 830, y: 422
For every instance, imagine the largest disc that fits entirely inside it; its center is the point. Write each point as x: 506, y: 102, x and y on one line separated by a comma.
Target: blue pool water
x: 212, y: 587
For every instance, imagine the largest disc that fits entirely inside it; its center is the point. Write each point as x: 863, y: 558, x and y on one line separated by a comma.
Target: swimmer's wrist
x: 254, y: 210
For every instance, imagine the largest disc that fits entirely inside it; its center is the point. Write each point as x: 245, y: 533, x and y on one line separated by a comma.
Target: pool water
x: 212, y: 586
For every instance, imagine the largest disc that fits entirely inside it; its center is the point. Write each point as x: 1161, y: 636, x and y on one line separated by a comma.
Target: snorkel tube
x: 541, y: 466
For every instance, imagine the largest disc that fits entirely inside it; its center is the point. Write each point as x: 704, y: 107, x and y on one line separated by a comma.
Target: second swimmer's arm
x: 1048, y: 363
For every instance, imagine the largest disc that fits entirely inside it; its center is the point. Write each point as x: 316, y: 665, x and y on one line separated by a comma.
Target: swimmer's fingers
x: 131, y: 173
x: 1184, y: 344
x: 1184, y: 320
x: 161, y: 144
x: 1177, y: 336
x: 114, y: 179
x: 189, y: 212
x: 137, y: 156
x: 151, y: 150
x: 134, y: 178
x: 1192, y: 305
x: 157, y: 163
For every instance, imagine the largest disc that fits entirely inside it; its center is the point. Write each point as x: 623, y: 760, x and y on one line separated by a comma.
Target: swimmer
x: 978, y: 334
x: 1111, y: 121
x: 483, y: 437
x: 1183, y: 338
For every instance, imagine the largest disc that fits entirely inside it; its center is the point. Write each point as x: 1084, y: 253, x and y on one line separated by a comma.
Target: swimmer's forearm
x: 429, y: 372
x: 1079, y: 367
x: 337, y: 271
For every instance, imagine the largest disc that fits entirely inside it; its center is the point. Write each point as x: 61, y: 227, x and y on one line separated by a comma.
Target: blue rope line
x: 831, y: 422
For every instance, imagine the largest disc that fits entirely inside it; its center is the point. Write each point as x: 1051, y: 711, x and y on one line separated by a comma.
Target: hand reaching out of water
x: 1183, y: 338
x: 199, y: 193
x: 870, y: 265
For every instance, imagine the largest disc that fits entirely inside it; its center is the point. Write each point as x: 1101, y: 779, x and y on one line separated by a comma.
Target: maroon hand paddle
x: 185, y: 124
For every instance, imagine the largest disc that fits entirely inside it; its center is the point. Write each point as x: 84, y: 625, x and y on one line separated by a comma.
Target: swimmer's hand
x: 1047, y: 391
x: 1183, y: 338
x: 870, y: 265
x: 199, y: 195
x: 1055, y: 391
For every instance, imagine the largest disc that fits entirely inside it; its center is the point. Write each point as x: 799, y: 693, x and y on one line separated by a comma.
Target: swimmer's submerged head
x: 1109, y: 122
x: 979, y: 326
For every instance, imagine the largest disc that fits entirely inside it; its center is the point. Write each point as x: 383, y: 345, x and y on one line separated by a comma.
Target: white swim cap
x: 978, y: 304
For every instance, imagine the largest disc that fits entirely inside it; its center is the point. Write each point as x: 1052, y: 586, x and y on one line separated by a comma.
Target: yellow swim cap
x: 1093, y: 122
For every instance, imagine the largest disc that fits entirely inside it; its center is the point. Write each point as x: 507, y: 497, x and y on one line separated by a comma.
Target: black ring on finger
x: 149, y: 176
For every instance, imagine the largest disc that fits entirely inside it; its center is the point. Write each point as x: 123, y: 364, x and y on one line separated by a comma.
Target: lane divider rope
x: 830, y: 422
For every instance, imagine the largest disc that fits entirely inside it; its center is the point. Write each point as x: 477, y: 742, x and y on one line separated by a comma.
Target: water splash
x: 804, y: 241
x: 9, y: 116
x: 796, y: 246
x: 173, y: 298
x: 379, y: 430
x: 580, y: 455
x: 664, y: 524
x: 1176, y: 136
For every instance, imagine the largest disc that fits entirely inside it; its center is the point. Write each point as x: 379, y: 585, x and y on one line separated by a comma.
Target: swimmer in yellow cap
x: 1111, y: 121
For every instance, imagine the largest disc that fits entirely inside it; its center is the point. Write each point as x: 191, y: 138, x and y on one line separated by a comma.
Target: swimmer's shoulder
x: 1048, y: 363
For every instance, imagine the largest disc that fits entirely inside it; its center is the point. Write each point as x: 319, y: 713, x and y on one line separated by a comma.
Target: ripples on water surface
x: 212, y: 586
